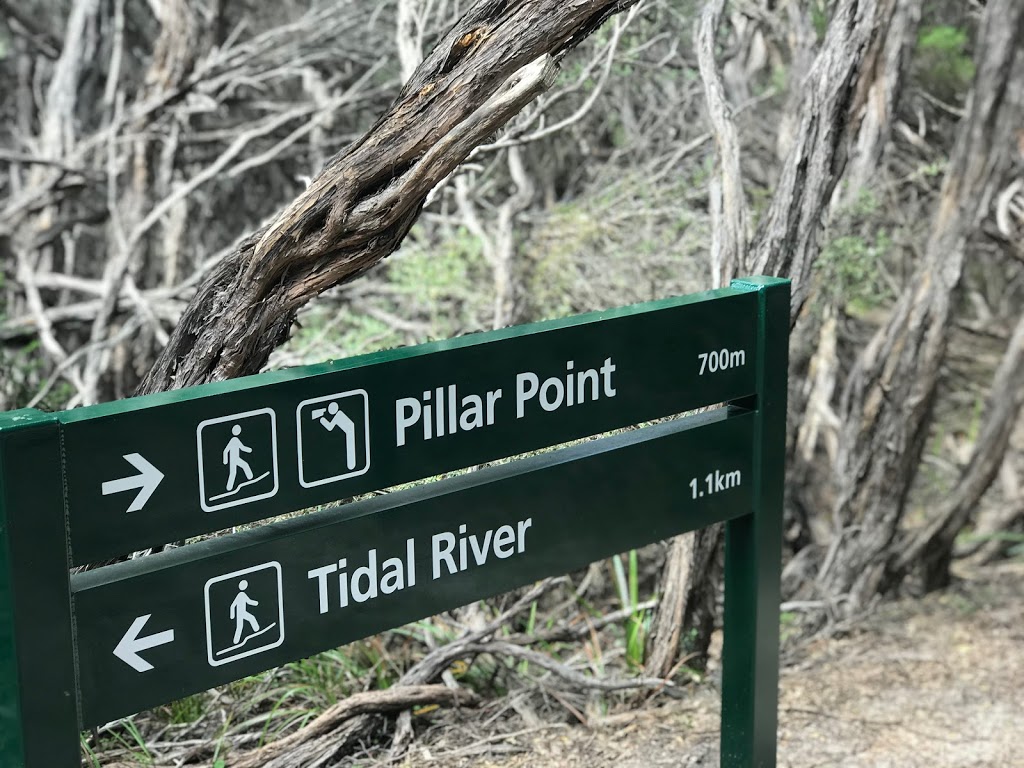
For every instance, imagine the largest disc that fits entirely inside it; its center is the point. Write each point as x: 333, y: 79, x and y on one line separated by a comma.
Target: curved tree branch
x: 494, y: 61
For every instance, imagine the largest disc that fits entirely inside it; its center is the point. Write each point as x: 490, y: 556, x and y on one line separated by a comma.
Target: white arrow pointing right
x: 128, y: 648
x: 146, y: 481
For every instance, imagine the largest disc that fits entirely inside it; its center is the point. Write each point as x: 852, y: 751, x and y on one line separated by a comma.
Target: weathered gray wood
x: 330, y: 731
x: 786, y: 241
x: 889, y: 396
x: 931, y: 548
x: 493, y: 62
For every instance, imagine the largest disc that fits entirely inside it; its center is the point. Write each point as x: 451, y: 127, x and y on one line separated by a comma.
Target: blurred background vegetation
x: 140, y: 142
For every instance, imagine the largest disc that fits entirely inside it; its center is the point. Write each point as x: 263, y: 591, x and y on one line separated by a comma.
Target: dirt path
x: 935, y: 682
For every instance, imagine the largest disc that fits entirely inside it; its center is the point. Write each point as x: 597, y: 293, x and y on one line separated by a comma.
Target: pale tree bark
x: 878, y: 91
x: 888, y: 399
x: 690, y: 578
x: 786, y: 241
x: 785, y: 244
x: 687, y: 601
x: 409, y: 37
x: 728, y: 204
x: 173, y: 59
x: 498, y: 242
x: 493, y: 62
x: 55, y: 139
x: 931, y: 548
x: 814, y: 360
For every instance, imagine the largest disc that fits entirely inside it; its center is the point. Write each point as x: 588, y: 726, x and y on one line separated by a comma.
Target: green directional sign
x: 79, y: 650
x: 157, y: 469
x: 164, y: 627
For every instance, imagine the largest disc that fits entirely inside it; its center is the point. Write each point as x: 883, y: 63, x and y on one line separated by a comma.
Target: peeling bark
x: 493, y: 62
x: 931, y: 549
x: 888, y: 399
x: 786, y: 241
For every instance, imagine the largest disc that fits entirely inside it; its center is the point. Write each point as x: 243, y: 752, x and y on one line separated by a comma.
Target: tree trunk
x: 785, y: 244
x: 492, y: 63
x: 931, y: 549
x: 687, y: 597
x: 888, y: 399
x: 878, y: 91
x: 814, y: 359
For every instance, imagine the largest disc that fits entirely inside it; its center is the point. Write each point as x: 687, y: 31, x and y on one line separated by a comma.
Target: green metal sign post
x: 87, y: 485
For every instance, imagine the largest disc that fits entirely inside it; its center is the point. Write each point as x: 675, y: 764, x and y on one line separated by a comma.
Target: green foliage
x: 851, y: 263
x: 125, y: 736
x: 631, y: 241
x: 552, y: 272
x: 442, y: 282
x: 941, y: 63
x: 780, y: 78
x: 433, y: 290
x: 22, y: 370
x: 187, y: 710
x: 91, y: 760
x: 819, y: 18
x: 326, y: 678
x: 629, y: 595
x: 789, y: 626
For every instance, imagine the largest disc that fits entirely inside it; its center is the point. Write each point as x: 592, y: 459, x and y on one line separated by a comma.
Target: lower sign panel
x: 164, y: 627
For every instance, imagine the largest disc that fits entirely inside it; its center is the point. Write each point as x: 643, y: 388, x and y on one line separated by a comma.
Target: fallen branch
x: 329, y: 731
x: 575, y: 679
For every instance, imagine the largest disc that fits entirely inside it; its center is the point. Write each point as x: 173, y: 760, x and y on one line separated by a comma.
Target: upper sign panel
x: 163, y: 468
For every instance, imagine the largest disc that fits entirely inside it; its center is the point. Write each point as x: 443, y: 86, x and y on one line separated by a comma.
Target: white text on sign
x: 450, y: 553
x: 445, y: 411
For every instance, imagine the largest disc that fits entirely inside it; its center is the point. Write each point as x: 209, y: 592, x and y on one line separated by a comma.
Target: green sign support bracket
x: 753, y: 553
x: 89, y: 484
x: 39, y: 697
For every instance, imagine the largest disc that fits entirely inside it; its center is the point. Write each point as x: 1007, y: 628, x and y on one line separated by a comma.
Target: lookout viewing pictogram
x: 333, y: 437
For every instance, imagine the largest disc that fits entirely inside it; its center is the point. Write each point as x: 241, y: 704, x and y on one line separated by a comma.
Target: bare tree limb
x: 932, y: 547
x: 305, y: 745
x: 728, y: 206
x: 493, y: 62
x: 890, y: 394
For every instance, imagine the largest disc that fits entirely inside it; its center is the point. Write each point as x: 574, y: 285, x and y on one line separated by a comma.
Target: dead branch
x: 728, y: 204
x: 932, y: 547
x: 327, y: 733
x: 569, y: 676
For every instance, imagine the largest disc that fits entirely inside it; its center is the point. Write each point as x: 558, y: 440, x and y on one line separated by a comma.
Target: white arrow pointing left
x: 146, y: 481
x: 128, y: 648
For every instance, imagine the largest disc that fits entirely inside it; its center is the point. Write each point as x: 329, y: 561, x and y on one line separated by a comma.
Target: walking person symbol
x: 240, y: 612
x: 244, y: 613
x: 233, y: 457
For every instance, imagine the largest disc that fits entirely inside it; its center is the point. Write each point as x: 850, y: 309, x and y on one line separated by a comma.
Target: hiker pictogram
x: 237, y: 457
x: 333, y: 435
x: 240, y: 611
x: 233, y: 456
x: 244, y: 613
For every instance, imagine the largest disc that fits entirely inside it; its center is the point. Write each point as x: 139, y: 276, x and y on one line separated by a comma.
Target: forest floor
x: 935, y: 682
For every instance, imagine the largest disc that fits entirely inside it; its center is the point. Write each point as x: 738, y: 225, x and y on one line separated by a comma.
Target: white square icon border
x: 298, y: 436
x: 280, y: 613
x: 199, y: 456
